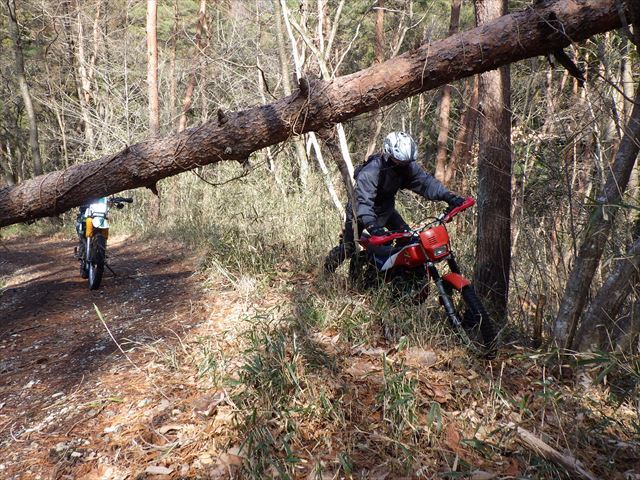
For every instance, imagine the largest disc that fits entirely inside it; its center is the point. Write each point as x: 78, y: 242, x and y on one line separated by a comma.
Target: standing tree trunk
x: 152, y: 67
x: 76, y: 60
x: 463, y: 143
x: 152, y: 89
x: 597, y: 232
x: 445, y: 105
x: 14, y: 33
x: 298, y: 143
x: 607, y: 304
x: 493, y: 247
x: 6, y: 167
x: 86, y: 70
x: 378, y: 48
x: 191, y: 84
x: 173, y: 82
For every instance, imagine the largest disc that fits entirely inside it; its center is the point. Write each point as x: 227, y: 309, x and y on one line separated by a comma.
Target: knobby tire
x: 362, y: 275
x: 96, y: 267
x: 476, y: 316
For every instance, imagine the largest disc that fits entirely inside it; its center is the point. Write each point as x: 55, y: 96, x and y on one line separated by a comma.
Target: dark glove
x: 376, y: 231
x: 454, y: 200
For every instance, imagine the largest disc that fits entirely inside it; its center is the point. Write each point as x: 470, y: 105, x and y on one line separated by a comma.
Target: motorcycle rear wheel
x: 96, y: 265
x: 362, y: 274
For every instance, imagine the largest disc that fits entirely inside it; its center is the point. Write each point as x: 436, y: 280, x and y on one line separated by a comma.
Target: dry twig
x: 573, y: 465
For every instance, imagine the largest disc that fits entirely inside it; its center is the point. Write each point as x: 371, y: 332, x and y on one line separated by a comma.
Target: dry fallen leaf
x: 480, y: 475
x: 419, y: 357
x: 453, y: 440
x: 361, y: 368
x: 513, y: 469
x: 157, y: 470
x: 167, y: 428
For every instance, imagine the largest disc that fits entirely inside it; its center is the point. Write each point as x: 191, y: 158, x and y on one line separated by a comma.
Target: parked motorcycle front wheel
x: 96, y: 261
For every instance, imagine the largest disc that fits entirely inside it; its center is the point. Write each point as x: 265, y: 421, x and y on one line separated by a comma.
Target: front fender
x: 456, y: 280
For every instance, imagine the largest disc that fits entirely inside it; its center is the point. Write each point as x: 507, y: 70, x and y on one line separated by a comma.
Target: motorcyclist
x: 377, y: 182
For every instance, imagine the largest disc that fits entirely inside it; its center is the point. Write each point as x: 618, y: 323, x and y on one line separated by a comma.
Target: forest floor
x: 189, y: 374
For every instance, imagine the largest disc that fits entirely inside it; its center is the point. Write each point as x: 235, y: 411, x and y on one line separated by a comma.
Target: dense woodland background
x: 85, y: 67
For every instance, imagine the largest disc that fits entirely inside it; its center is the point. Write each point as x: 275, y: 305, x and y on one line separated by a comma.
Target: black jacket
x: 378, y: 181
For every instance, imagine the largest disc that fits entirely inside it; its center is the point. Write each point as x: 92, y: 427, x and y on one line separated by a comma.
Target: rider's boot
x: 334, y: 259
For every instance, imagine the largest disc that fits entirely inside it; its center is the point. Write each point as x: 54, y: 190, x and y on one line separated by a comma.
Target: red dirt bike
x: 409, y: 259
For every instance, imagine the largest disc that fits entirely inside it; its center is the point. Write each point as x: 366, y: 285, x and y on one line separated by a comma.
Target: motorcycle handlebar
x: 448, y: 215
x: 444, y: 217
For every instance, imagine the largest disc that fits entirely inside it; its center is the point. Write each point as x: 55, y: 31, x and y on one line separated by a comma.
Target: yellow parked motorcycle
x: 92, y: 226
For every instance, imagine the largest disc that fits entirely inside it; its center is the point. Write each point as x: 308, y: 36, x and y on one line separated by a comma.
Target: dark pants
x: 390, y: 219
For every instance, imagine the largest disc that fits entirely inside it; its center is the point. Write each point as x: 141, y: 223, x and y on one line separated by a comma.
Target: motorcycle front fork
x: 83, y: 250
x: 443, y: 294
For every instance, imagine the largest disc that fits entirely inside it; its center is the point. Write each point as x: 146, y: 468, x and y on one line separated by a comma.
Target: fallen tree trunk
x: 316, y: 105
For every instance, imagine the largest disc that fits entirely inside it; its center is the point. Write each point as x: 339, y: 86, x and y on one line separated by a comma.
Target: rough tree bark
x: 315, y: 105
x: 493, y: 245
x: 463, y: 143
x: 298, y: 143
x: 152, y: 67
x: 606, y: 306
x: 14, y: 33
x: 445, y: 105
x: 378, y: 48
x: 5, y: 166
x: 191, y: 84
x: 173, y: 82
x: 336, y: 142
x: 597, y: 231
x: 75, y: 61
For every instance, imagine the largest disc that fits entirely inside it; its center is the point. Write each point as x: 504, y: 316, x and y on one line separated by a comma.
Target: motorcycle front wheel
x: 96, y: 263
x: 477, y: 326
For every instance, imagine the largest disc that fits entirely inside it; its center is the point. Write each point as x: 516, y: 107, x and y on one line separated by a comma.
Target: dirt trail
x: 53, y: 345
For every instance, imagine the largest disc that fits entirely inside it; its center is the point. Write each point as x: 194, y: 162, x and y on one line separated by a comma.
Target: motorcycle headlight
x: 100, y: 222
x: 440, y: 251
x: 99, y: 207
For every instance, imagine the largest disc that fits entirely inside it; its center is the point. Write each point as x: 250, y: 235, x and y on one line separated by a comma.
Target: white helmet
x: 401, y: 147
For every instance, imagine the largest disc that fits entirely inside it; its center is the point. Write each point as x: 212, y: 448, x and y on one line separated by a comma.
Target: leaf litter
x: 230, y: 385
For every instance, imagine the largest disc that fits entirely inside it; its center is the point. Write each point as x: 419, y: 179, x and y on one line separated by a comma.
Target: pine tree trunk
x: 606, y: 306
x: 14, y: 33
x: 465, y: 137
x: 173, y: 81
x: 445, y: 105
x: 152, y: 67
x: 493, y: 246
x: 75, y: 60
x: 378, y: 48
x: 316, y: 105
x: 597, y: 232
x: 191, y: 84
x: 298, y: 143
x: 5, y: 166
